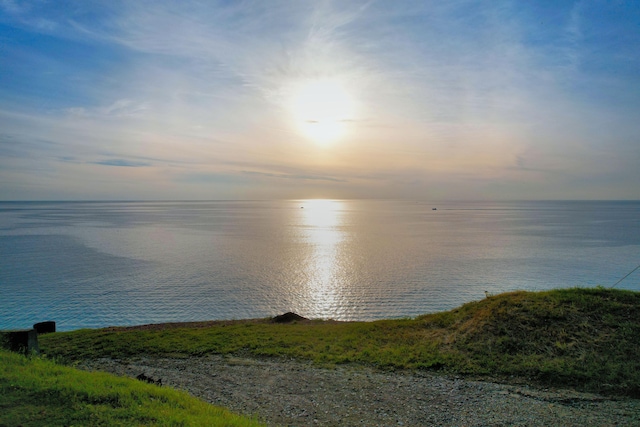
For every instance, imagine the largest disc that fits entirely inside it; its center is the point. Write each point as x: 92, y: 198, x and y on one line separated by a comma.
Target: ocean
x: 96, y: 264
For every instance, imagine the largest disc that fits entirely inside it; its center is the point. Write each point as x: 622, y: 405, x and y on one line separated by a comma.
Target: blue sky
x: 304, y: 99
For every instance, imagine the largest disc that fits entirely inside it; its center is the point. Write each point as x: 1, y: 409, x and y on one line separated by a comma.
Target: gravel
x: 294, y: 393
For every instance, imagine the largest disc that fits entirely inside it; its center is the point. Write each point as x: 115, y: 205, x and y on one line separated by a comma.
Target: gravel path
x: 292, y: 393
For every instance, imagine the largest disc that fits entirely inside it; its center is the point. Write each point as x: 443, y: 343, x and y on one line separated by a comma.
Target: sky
x: 426, y: 100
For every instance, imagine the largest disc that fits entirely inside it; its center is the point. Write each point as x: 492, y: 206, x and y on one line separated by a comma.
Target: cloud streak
x: 122, y: 163
x: 294, y: 177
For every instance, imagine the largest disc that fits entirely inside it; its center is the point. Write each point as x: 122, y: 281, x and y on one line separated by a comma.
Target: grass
x: 37, y: 392
x: 581, y: 338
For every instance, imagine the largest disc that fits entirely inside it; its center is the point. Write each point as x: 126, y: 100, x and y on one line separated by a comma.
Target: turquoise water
x: 110, y: 263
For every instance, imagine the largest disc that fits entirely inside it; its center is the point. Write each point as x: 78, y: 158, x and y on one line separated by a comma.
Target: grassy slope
x: 584, y: 338
x: 37, y: 392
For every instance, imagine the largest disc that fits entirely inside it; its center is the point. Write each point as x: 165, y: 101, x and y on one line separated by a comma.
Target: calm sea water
x: 105, y: 263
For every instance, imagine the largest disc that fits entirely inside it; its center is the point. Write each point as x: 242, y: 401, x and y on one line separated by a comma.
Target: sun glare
x: 321, y: 109
x: 321, y: 222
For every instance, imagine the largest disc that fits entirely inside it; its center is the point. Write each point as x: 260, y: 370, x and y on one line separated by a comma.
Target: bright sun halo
x: 320, y: 109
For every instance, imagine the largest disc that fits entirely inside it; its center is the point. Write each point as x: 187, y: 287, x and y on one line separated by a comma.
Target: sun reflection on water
x: 321, y: 221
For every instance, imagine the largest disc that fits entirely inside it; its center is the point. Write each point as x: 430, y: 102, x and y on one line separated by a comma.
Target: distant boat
x: 434, y: 209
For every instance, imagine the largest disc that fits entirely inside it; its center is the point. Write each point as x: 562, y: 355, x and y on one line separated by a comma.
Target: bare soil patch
x: 295, y: 393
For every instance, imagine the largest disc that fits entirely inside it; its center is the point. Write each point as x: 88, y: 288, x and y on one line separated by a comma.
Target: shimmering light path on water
x: 107, y: 263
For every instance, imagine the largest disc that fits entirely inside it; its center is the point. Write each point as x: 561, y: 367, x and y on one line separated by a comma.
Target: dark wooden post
x: 45, y: 327
x: 22, y: 341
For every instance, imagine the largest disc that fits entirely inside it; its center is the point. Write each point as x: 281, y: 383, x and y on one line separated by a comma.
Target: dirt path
x: 291, y: 393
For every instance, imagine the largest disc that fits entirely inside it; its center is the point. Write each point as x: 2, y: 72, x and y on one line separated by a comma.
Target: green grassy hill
x: 38, y: 392
x: 582, y: 338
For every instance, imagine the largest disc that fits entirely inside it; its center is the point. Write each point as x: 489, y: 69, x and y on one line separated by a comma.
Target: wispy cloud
x: 294, y: 177
x: 122, y: 163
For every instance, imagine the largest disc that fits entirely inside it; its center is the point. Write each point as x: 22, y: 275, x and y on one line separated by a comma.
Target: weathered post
x: 21, y: 340
x: 45, y: 327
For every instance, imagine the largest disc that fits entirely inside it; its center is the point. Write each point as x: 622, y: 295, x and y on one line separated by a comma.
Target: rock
x: 145, y: 378
x: 288, y: 318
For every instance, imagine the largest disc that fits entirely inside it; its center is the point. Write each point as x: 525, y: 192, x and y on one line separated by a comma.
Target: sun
x: 321, y: 110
